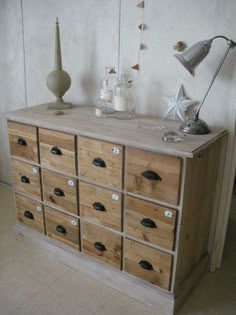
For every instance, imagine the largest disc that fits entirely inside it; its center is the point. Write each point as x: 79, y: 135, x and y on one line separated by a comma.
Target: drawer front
x: 23, y: 141
x: 62, y: 227
x: 100, y: 205
x: 153, y: 175
x: 148, y: 264
x: 60, y: 191
x: 101, y: 161
x: 101, y: 244
x: 30, y: 213
x: 26, y: 178
x: 150, y: 222
x: 57, y: 151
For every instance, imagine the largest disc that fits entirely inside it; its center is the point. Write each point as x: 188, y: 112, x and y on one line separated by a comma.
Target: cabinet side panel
x: 198, y: 201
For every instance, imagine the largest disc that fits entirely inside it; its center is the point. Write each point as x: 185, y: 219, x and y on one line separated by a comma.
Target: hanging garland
x: 141, y: 47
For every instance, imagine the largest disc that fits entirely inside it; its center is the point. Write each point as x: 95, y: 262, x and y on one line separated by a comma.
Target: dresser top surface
x: 144, y: 132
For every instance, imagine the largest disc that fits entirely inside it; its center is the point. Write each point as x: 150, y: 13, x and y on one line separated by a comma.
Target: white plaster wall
x: 90, y: 38
x: 89, y: 32
x: 160, y: 73
x: 12, y: 85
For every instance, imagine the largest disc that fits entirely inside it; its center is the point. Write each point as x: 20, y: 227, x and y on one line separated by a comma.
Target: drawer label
x: 115, y: 197
x: 116, y: 151
x: 34, y: 170
x: 39, y: 208
x: 71, y: 183
x: 73, y: 222
x: 168, y: 214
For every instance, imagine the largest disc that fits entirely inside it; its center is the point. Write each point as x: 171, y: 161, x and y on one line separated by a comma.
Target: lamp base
x: 195, y: 127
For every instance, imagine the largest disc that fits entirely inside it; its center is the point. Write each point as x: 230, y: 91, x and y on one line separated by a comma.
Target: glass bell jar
x: 107, y: 87
x: 124, y: 99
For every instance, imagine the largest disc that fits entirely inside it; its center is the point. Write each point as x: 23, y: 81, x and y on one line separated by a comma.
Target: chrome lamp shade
x: 194, y: 55
x: 190, y: 59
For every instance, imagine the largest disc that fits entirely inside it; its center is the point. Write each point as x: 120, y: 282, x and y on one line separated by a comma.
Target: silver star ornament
x: 178, y: 104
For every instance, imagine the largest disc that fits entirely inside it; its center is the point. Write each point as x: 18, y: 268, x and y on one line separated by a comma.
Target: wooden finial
x: 58, y: 60
x: 135, y: 67
x: 140, y: 4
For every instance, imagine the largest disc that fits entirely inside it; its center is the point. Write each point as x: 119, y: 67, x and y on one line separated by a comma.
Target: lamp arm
x: 231, y: 44
x: 230, y: 41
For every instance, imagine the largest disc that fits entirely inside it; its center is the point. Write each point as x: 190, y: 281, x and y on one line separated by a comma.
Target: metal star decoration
x: 178, y: 104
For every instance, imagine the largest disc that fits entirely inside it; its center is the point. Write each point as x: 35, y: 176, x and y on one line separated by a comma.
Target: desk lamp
x: 190, y: 59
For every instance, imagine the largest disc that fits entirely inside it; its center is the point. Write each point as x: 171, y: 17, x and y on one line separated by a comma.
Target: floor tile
x: 81, y: 289
x: 122, y: 304
x: 27, y: 309
x: 49, y: 302
x: 11, y: 246
x: 2, y: 263
x: 15, y: 289
x: 41, y: 267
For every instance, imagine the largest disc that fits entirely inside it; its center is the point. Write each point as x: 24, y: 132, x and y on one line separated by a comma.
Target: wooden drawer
x: 153, y: 175
x: 100, y: 205
x: 60, y: 191
x: 30, y: 213
x: 148, y: 264
x: 101, y: 161
x: 57, y: 151
x: 62, y: 227
x: 150, y: 222
x: 26, y: 178
x: 23, y: 141
x: 101, y: 244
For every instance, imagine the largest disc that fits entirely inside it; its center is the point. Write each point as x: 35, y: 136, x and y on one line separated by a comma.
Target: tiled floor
x: 32, y: 282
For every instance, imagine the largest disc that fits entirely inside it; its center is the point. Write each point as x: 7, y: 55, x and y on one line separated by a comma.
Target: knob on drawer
x: 61, y: 229
x: 99, y: 246
x: 99, y: 206
x: 151, y: 175
x: 149, y: 223
x: 145, y: 265
x: 28, y: 215
x: 99, y: 162
x: 25, y: 179
x: 59, y: 192
x: 21, y: 141
x: 56, y: 151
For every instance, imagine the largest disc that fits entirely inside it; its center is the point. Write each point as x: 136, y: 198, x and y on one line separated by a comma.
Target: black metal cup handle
x: 98, y: 162
x: 149, y: 223
x: 99, y: 206
x: 25, y: 179
x: 145, y: 265
x: 59, y: 192
x: 56, y: 151
x: 21, y: 141
x: 28, y: 215
x: 151, y: 175
x: 99, y: 246
x: 61, y: 229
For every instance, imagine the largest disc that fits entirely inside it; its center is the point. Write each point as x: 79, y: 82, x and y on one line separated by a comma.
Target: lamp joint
x: 231, y: 43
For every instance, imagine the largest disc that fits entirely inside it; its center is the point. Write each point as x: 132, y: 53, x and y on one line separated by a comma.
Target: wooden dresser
x: 115, y: 201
